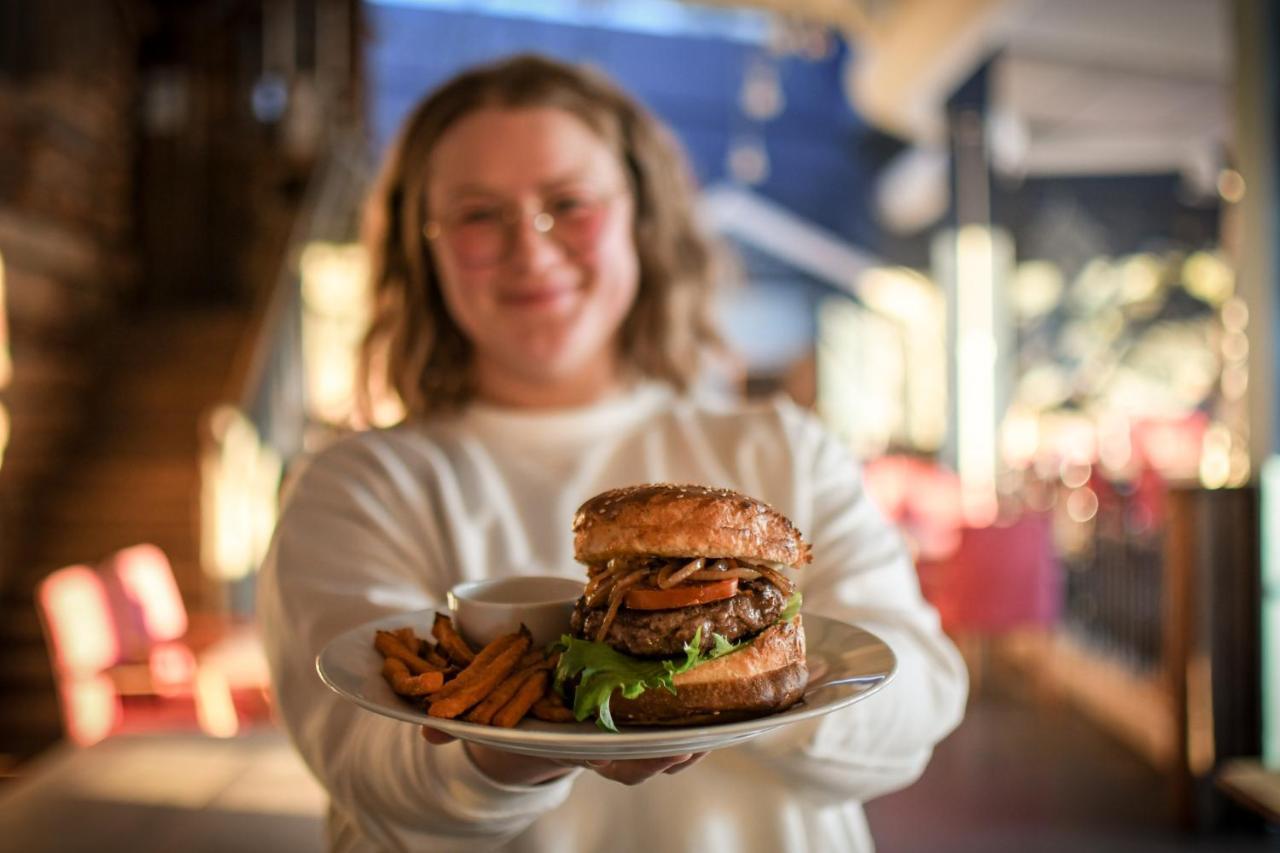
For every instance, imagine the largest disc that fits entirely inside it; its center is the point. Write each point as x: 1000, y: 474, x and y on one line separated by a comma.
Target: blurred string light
x: 1232, y: 440
x: 1215, y: 457
x: 1235, y: 370
x: 861, y: 375
x: 748, y: 159
x: 1140, y: 277
x: 1231, y: 186
x: 1075, y: 473
x: 240, y: 478
x: 1082, y: 504
x: 1020, y: 436
x: 976, y: 368
x: 1115, y: 442
x: 1148, y: 389
x: 916, y: 304
x: 1207, y: 276
x: 6, y: 363
x: 335, y: 312
x: 1037, y: 289
x: 761, y: 97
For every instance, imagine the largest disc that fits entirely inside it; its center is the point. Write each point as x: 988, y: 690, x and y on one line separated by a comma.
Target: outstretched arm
x: 862, y: 574
x: 353, y: 545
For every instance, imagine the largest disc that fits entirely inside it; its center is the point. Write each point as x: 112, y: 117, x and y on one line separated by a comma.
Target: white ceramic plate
x: 837, y: 651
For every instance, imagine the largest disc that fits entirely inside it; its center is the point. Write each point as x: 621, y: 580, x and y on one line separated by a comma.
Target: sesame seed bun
x: 667, y: 520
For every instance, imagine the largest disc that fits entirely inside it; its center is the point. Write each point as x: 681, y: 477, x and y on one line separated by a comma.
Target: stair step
x: 133, y: 476
x: 154, y: 470
x: 28, y: 668
x: 30, y: 719
x: 90, y: 550
x: 19, y: 623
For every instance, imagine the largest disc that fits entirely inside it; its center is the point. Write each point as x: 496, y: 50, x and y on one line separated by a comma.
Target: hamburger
x: 687, y: 616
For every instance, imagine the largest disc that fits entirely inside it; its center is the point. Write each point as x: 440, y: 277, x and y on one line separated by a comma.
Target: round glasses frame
x: 492, y: 242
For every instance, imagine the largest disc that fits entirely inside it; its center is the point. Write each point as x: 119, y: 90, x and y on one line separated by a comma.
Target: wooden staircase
x: 132, y: 476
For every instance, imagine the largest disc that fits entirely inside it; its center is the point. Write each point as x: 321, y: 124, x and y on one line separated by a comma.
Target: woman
x: 541, y: 302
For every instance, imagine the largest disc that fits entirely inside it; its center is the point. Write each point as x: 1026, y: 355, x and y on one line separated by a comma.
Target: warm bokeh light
x: 1037, y: 289
x: 1235, y: 314
x: 6, y: 363
x: 91, y: 708
x: 1082, y: 504
x: 1115, y: 442
x: 1231, y: 186
x: 1074, y: 473
x: 1208, y: 276
x: 240, y: 478
x: 4, y: 432
x: 335, y: 313
x: 215, y: 709
x: 1215, y: 457
x: 860, y: 375
x: 1140, y: 278
x: 77, y: 616
x: 6, y: 360
x: 977, y: 356
x: 147, y: 580
x: 172, y: 667
x: 1020, y: 436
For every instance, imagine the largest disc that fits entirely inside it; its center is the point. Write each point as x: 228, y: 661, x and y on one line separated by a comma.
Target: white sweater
x: 387, y: 521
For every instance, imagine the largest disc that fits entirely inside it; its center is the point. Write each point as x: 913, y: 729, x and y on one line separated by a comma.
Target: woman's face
x: 532, y: 238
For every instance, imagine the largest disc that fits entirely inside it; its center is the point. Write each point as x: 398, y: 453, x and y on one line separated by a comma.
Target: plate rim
x: 630, y: 741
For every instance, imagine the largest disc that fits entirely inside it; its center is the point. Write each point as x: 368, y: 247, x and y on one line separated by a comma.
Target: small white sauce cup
x: 485, y: 610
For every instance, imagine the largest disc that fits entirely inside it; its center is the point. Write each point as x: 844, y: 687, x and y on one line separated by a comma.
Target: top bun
x: 684, y: 521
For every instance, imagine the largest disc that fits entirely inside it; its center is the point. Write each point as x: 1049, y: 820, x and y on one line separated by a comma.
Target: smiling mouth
x: 537, y: 298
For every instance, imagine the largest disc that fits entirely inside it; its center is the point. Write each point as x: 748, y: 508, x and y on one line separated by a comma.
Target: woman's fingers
x: 626, y: 771
x: 684, y: 765
x: 635, y: 771
x: 435, y: 736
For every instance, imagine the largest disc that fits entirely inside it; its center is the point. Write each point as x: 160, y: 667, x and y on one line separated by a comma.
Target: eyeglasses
x: 481, y: 234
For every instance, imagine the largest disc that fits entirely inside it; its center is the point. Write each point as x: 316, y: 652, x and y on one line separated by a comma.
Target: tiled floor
x: 165, y: 792
x: 1022, y: 777
x: 1015, y: 777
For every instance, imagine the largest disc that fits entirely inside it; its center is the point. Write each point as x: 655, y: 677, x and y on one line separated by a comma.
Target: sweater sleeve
x: 356, y: 542
x: 862, y: 574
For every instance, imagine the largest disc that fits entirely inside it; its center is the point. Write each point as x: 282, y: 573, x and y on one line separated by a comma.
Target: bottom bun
x: 768, y: 675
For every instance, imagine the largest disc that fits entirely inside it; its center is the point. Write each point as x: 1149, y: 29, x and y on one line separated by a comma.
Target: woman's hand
x: 513, y: 769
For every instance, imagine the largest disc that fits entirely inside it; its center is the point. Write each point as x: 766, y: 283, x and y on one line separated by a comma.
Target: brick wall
x: 68, y: 87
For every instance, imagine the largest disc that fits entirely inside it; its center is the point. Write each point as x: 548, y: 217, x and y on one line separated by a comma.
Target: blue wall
x: 820, y: 168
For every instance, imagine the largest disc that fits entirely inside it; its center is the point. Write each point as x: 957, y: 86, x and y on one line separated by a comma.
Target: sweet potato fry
x: 531, y: 689
x: 531, y: 658
x: 428, y: 652
x: 501, y: 695
x: 390, y: 646
x: 494, y: 663
x: 482, y: 663
x: 397, y: 675
x: 450, y: 642
x: 552, y: 709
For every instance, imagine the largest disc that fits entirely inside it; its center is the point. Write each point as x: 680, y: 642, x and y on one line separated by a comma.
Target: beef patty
x: 663, y: 633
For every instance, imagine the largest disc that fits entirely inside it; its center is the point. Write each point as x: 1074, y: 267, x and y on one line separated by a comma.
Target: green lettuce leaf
x: 603, y: 669
x: 793, y: 607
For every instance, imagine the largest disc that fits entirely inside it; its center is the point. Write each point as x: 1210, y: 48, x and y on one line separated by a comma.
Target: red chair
x: 221, y: 662
x: 999, y: 581
x: 127, y: 659
x: 80, y: 633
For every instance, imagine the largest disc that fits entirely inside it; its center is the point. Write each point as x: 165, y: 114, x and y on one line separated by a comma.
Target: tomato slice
x: 685, y: 595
